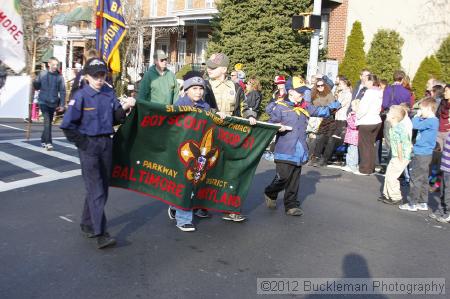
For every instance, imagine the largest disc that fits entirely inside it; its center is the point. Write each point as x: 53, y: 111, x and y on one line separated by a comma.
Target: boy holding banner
x: 291, y: 151
x: 194, y: 88
x: 89, y: 120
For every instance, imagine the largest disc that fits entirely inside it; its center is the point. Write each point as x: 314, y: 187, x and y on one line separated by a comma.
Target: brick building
x: 423, y: 24
x: 179, y: 27
x: 71, y: 26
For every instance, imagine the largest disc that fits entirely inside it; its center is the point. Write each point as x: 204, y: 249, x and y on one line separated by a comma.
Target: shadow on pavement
x: 353, y: 266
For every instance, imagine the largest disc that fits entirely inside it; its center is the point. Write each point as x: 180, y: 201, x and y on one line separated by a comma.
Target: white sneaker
x: 422, y: 207
x: 408, y: 207
x: 444, y: 219
x: 335, y: 166
x: 189, y: 227
x: 234, y: 217
x: 49, y: 147
x: 359, y: 173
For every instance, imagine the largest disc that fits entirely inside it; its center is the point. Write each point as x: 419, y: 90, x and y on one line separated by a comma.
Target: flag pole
x: 100, y: 27
x: 30, y: 101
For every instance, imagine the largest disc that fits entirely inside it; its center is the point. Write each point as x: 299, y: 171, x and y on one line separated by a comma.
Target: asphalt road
x: 344, y: 233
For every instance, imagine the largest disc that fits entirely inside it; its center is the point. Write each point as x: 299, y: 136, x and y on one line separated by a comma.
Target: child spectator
x: 406, y: 121
x: 427, y: 125
x: 89, y: 120
x: 400, y: 154
x: 351, y: 138
x: 443, y: 213
x: 291, y: 151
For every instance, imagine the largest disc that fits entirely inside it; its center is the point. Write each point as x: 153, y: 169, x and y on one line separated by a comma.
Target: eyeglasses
x: 162, y: 60
x: 319, y: 85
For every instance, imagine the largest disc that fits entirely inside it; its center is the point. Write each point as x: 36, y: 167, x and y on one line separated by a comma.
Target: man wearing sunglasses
x: 159, y: 84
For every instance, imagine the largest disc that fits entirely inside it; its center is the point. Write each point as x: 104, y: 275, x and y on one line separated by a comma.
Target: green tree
x: 258, y: 34
x: 355, y: 57
x: 385, y: 53
x: 443, y: 55
x: 428, y: 68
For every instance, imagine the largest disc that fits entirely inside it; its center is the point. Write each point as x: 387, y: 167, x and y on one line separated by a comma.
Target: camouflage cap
x: 216, y: 60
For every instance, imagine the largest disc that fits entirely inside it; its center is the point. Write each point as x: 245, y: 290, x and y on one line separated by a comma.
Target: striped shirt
x: 445, y: 160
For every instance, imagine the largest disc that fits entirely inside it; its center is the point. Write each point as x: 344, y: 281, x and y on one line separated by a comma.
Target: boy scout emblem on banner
x: 199, y: 158
x: 187, y: 157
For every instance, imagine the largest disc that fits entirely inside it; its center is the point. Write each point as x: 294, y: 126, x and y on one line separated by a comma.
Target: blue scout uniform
x: 88, y: 123
x: 291, y: 151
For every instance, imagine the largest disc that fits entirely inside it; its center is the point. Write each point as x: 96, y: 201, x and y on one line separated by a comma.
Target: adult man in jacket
x: 159, y: 84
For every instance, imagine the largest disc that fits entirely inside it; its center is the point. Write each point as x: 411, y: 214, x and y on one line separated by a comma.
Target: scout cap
x: 94, y: 66
x: 216, y: 60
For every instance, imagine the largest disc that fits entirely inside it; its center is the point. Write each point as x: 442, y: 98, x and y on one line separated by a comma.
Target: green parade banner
x: 187, y: 157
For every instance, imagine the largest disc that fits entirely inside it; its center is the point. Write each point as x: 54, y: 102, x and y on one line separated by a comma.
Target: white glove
x: 128, y: 103
x: 222, y: 115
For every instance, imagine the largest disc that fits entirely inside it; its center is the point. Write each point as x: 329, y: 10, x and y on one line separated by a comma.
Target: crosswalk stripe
x: 38, y: 180
x: 44, y: 151
x: 25, y: 164
x: 45, y: 174
x: 30, y: 139
x: 14, y: 128
x: 65, y: 144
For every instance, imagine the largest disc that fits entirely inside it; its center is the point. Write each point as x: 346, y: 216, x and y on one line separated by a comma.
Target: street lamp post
x: 314, y: 48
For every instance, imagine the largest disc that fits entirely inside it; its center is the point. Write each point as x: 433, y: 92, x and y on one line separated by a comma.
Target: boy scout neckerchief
x: 296, y: 108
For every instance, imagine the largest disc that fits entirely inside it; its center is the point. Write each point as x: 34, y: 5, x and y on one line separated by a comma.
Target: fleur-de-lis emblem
x: 198, y: 158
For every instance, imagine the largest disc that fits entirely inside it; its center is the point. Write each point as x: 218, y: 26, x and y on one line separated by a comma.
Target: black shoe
x: 104, y: 241
x: 202, y: 213
x: 391, y: 202
x: 171, y: 212
x: 87, y: 230
x: 381, y: 198
x: 322, y: 163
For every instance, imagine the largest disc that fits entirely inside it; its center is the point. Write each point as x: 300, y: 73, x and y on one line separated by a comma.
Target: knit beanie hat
x: 193, y: 81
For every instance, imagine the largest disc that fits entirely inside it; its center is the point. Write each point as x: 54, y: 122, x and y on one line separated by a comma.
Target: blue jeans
x: 445, y: 194
x: 351, y: 159
x: 183, y: 217
x: 418, y: 192
x: 48, y: 113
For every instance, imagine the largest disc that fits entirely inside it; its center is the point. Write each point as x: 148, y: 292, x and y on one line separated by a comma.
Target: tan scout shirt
x: 225, y: 94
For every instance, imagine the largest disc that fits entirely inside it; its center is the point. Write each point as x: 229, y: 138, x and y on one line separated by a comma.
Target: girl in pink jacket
x: 351, y: 138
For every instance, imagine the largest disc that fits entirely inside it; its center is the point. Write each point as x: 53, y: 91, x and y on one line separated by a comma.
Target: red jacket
x: 444, y: 122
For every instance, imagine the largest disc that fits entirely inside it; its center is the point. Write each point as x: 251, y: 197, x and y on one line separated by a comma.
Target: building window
x: 181, y: 61
x: 189, y: 4
x: 209, y: 4
x: 324, y: 31
x: 170, y: 6
x: 153, y: 8
x: 200, y: 50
